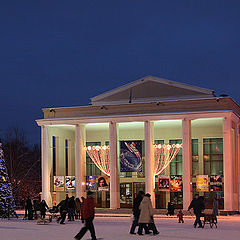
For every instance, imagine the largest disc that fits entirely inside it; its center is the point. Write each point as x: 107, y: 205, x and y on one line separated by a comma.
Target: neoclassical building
x: 147, y: 113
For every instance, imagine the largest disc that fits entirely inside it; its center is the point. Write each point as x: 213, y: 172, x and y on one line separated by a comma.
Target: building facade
x: 146, y: 112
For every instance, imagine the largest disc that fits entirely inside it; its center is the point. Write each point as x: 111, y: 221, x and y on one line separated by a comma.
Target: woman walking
x: 146, y: 216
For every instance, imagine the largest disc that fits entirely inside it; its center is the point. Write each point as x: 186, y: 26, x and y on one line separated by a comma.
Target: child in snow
x: 180, y: 216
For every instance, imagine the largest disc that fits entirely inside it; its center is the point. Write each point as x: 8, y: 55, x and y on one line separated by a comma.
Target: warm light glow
x: 164, y: 155
x: 100, y: 155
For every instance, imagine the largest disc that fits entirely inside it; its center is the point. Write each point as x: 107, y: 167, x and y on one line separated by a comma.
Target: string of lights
x: 164, y: 155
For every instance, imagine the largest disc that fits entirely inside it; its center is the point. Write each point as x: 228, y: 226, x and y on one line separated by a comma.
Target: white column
x: 149, y: 160
x: 114, y: 171
x: 46, y: 166
x: 228, y: 164
x: 187, y: 162
x: 80, y: 160
x: 238, y: 165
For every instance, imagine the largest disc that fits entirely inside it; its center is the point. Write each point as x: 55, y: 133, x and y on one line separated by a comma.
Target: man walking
x: 87, y: 213
x: 136, y: 211
x: 198, y: 206
x: 63, y: 210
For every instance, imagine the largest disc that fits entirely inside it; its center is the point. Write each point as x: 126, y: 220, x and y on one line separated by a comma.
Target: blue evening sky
x: 60, y: 53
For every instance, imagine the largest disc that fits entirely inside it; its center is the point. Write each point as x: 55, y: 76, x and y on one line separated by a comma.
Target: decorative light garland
x: 164, y: 155
x: 100, y: 155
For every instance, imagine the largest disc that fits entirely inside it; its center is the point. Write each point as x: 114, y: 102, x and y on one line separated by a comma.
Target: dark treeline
x: 23, y: 164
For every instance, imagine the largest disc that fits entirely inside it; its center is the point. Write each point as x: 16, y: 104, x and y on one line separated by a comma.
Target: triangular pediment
x: 150, y: 89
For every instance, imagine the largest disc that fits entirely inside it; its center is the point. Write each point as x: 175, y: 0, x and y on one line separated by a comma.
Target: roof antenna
x: 130, y: 96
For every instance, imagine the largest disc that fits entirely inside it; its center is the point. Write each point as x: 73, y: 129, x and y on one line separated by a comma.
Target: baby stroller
x: 54, y: 212
x: 44, y: 221
x: 210, y: 219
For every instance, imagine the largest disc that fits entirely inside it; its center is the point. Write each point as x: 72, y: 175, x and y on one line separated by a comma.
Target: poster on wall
x: 70, y: 183
x: 216, y: 183
x: 131, y: 156
x: 163, y: 183
x: 58, y: 183
x: 176, y: 183
x: 91, y: 183
x: 202, y: 183
x: 102, y: 183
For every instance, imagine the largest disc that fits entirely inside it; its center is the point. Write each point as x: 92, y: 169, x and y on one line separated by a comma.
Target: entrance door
x: 102, y: 199
x: 126, y: 195
x: 128, y: 191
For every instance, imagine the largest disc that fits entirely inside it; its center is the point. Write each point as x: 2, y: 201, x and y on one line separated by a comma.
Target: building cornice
x: 135, y: 117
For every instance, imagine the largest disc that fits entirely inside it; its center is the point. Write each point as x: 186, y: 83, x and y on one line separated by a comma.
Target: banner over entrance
x: 131, y: 156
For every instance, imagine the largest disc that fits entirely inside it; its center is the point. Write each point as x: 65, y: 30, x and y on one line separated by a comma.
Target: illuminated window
x: 213, y: 156
x: 176, y: 164
x: 91, y: 169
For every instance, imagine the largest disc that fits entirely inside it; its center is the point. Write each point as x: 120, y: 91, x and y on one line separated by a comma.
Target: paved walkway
x: 118, y: 229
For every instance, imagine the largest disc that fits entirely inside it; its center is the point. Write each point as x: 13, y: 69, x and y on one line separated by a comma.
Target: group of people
x: 35, y: 209
x: 143, y: 215
x: 142, y: 212
x: 71, y: 207
x: 198, y: 206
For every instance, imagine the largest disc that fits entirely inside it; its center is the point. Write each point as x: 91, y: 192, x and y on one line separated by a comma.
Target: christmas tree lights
x: 7, y: 207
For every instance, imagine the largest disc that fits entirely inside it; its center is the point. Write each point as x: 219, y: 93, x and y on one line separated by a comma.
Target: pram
x: 210, y: 219
x: 54, y: 212
x: 41, y: 220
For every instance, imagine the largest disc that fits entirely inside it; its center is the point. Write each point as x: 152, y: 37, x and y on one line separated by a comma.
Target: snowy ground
x: 118, y: 229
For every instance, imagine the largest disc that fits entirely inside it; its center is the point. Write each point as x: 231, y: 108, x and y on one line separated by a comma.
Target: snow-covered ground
x: 118, y: 229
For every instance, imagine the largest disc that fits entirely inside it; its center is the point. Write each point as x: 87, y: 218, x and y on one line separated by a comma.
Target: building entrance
x: 128, y: 191
x: 102, y: 199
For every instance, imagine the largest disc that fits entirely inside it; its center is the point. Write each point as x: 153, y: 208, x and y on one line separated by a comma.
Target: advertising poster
x: 70, y: 183
x: 131, y: 156
x: 216, y: 183
x: 176, y: 183
x: 91, y: 183
x: 163, y: 183
x: 58, y: 183
x: 102, y: 183
x: 202, y: 183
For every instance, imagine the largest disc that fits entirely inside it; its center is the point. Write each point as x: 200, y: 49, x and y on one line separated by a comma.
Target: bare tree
x: 23, y: 164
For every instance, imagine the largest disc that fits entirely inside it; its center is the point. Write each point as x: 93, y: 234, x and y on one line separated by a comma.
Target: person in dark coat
x: 87, y: 214
x: 28, y: 209
x: 71, y: 208
x: 198, y: 206
x: 43, y: 208
x: 136, y: 211
x: 170, y: 209
x: 63, y: 205
x: 36, y: 208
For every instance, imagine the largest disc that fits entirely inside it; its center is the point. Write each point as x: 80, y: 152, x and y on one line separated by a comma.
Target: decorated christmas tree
x: 6, y: 197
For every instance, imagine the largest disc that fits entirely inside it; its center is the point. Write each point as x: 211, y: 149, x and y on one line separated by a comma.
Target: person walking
x: 198, y: 206
x: 63, y: 210
x: 78, y: 208
x: 170, y: 209
x: 136, y: 211
x: 28, y: 209
x: 71, y: 209
x: 146, y: 216
x: 215, y: 208
x: 43, y: 208
x: 87, y: 215
x: 180, y: 216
